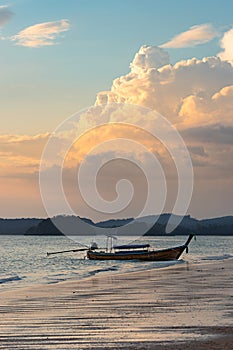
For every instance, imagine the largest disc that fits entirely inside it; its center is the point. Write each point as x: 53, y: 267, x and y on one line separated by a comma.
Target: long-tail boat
x: 138, y: 252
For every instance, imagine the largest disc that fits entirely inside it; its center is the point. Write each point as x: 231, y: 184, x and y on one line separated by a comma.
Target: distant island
x: 44, y: 227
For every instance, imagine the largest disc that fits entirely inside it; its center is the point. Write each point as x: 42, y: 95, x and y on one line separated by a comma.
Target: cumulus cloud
x: 42, y: 34
x: 149, y: 57
x: 226, y: 44
x: 166, y: 88
x: 205, y: 111
x: 196, y: 95
x: 196, y: 35
x: 5, y: 15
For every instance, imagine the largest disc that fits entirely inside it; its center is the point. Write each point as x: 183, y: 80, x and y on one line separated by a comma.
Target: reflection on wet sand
x: 188, y: 303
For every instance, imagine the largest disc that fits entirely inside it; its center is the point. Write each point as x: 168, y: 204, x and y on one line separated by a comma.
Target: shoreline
x: 181, y: 306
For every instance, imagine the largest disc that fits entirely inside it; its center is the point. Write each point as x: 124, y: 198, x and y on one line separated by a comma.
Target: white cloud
x: 5, y: 15
x: 196, y: 35
x: 196, y: 95
x: 42, y: 34
x: 149, y: 57
x: 165, y: 88
x: 227, y: 46
x: 208, y: 111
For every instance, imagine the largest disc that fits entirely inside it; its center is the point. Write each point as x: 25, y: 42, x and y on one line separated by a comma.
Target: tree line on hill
x: 24, y: 226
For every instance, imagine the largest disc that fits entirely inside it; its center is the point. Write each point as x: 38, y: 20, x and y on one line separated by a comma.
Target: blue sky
x: 42, y: 86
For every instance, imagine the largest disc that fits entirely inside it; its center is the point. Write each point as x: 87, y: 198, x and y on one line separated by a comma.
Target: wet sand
x: 180, y: 307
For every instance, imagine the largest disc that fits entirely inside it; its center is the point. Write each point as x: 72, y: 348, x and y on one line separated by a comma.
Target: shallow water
x: 24, y: 261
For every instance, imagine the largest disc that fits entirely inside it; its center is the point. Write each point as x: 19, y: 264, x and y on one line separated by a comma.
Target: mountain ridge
x: 36, y: 226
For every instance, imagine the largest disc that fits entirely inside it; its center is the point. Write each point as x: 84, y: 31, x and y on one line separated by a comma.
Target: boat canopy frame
x: 131, y: 246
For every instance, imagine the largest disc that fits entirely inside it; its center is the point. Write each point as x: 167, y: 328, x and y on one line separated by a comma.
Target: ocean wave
x: 9, y: 279
x: 94, y: 272
x: 218, y: 257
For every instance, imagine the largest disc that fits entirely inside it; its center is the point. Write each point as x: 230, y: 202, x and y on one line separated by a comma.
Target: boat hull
x: 163, y: 255
x: 154, y: 255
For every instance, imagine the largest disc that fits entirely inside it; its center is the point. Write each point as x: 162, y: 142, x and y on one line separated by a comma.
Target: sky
x: 59, y: 57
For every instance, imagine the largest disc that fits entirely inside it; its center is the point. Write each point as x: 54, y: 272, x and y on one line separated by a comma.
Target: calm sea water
x: 24, y: 262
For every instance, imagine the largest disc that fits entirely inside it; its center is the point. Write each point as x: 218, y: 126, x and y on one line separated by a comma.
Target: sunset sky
x: 59, y: 57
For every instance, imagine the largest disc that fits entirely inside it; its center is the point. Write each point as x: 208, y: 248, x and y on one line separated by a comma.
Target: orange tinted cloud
x: 196, y: 95
x: 41, y: 34
x: 19, y: 167
x: 166, y: 87
x: 20, y: 154
x: 196, y: 35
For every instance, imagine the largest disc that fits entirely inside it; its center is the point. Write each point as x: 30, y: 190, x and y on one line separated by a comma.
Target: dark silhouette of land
x: 17, y: 226
x: 24, y: 226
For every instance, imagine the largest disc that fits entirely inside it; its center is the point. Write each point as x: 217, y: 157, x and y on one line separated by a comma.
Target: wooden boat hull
x: 156, y: 255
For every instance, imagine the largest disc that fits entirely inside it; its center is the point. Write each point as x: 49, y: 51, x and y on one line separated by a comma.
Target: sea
x: 24, y: 261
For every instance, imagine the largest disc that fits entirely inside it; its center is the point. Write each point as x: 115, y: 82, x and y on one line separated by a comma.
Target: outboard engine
x: 93, y: 246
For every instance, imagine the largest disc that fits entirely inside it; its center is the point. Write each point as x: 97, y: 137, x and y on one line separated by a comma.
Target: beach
x: 185, y: 306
